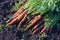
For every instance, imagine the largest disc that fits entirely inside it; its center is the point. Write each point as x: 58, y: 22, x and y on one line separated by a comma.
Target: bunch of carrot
x: 41, y: 19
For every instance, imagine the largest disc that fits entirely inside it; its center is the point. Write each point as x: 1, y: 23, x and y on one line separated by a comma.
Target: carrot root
x: 36, y: 18
x: 34, y: 31
x: 43, y: 30
x: 18, y: 13
x: 22, y: 21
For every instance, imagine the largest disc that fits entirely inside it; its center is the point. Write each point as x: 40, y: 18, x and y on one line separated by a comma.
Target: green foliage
x: 52, y: 16
x: 1, y: 26
x: 37, y: 6
x: 16, y: 5
x: 43, y: 35
x: 40, y: 6
x: 58, y: 26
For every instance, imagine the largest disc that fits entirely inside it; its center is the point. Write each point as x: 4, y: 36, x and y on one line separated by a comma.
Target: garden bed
x: 11, y: 33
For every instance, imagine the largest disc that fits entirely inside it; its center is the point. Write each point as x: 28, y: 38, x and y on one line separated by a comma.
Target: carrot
x: 18, y: 12
x: 8, y: 20
x: 15, y: 15
x: 37, y: 29
x: 18, y: 18
x: 31, y: 19
x: 22, y: 21
x: 38, y: 24
x: 12, y: 21
x: 36, y: 18
x: 43, y: 30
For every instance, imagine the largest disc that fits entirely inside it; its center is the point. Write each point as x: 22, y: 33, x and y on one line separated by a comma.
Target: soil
x: 9, y: 33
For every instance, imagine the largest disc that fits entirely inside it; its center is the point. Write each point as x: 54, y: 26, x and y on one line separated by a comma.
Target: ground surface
x: 12, y: 34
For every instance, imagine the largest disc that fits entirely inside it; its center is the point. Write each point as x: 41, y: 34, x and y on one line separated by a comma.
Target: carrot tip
x: 43, y: 30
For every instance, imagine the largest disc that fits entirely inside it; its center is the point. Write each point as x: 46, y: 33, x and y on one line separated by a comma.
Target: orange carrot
x: 18, y: 18
x: 8, y: 20
x: 37, y: 29
x: 36, y: 18
x: 22, y: 21
x: 18, y: 12
x: 43, y: 30
x: 15, y: 15
x: 38, y: 24
x: 31, y: 19
x: 12, y: 21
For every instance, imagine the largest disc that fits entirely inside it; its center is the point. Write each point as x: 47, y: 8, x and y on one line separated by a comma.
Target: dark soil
x: 5, y: 12
x: 9, y: 33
